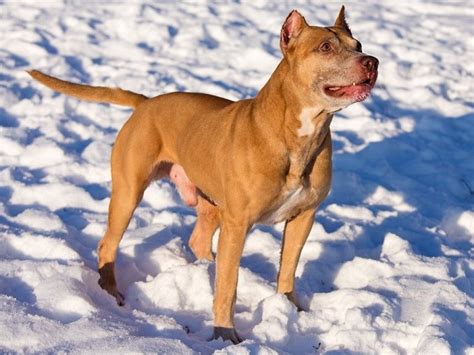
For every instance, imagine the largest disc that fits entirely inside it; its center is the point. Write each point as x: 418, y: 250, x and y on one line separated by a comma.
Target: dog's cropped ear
x: 291, y: 28
x: 341, y: 21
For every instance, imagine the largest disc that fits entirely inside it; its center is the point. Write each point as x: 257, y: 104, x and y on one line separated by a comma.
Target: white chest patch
x: 287, y: 208
x: 306, y: 119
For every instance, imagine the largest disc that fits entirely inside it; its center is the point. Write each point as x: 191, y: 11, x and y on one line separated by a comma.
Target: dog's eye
x: 359, y: 47
x: 325, y: 47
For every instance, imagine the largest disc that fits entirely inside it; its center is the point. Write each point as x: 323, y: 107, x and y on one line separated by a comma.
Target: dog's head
x: 327, y: 62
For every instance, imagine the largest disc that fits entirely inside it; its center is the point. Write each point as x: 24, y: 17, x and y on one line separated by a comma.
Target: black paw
x: 107, y: 282
x: 112, y: 290
x: 293, y: 299
x: 227, y: 334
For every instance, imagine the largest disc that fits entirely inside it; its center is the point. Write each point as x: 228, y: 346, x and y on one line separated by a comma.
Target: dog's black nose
x: 371, y: 63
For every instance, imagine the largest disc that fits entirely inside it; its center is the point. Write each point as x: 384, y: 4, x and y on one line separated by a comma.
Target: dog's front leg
x: 229, y: 251
x: 295, y: 235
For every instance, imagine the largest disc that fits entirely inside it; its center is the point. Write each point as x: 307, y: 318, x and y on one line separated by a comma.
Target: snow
x: 389, y: 264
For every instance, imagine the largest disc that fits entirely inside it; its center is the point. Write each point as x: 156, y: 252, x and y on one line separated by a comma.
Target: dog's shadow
x: 136, y: 260
x: 401, y: 164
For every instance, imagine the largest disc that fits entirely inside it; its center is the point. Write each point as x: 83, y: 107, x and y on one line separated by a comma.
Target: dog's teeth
x: 353, y: 84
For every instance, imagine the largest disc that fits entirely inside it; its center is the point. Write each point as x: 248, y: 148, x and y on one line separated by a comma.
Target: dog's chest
x: 290, y: 204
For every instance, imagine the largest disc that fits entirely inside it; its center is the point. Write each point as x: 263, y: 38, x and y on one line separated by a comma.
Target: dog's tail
x: 91, y: 93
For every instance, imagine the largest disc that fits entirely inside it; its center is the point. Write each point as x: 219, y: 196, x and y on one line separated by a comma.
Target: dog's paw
x: 200, y: 251
x: 227, y: 334
x: 112, y: 290
x: 206, y: 255
x: 119, y: 298
x: 293, y: 299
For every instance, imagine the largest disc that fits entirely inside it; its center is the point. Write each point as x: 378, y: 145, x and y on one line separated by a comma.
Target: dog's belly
x: 290, y: 202
x: 186, y: 189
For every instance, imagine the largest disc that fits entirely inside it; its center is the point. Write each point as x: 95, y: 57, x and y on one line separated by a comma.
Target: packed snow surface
x: 389, y: 265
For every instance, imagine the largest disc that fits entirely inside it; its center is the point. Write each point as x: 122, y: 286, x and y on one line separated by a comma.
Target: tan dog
x: 263, y: 160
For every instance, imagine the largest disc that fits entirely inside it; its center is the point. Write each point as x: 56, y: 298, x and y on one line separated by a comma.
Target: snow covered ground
x: 389, y: 265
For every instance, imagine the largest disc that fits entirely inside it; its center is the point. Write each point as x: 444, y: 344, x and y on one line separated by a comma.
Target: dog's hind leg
x: 206, y: 224
x: 133, y: 167
x: 122, y: 204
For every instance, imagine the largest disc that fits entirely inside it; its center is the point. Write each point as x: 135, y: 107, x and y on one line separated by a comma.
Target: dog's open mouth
x: 357, y: 91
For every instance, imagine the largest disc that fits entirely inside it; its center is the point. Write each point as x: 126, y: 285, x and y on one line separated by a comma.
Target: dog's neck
x: 283, y: 110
